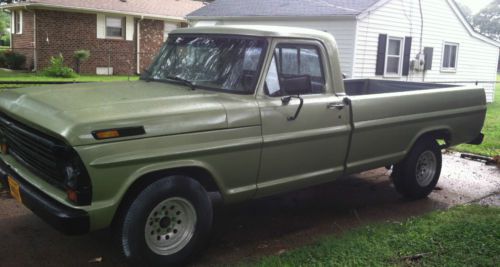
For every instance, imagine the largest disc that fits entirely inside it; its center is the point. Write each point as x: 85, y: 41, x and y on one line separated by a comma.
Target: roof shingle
x: 168, y: 8
x: 244, y: 8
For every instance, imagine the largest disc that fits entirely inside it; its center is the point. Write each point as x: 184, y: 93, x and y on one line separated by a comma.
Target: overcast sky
x: 475, y: 5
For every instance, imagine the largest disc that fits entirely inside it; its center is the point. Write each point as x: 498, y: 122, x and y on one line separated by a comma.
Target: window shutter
x: 101, y: 26
x: 129, y: 28
x: 382, y: 47
x: 406, y: 56
x: 428, y: 52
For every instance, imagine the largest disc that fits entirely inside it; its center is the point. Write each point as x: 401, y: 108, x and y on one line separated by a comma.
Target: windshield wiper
x: 183, y: 81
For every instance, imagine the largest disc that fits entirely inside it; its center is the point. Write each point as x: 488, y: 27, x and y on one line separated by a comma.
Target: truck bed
x: 355, y: 87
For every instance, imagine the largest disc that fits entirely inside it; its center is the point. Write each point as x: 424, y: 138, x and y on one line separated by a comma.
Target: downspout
x: 35, y: 55
x: 138, y: 36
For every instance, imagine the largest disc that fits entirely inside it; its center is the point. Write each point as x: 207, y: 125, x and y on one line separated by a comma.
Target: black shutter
x: 382, y: 45
x: 428, y: 52
x: 406, y: 56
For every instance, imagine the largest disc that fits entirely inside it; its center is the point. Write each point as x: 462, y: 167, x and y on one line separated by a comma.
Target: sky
x: 475, y: 5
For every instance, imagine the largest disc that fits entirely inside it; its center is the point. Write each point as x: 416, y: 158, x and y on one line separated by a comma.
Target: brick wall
x: 151, y: 34
x: 24, y: 43
x: 63, y: 33
x: 66, y: 32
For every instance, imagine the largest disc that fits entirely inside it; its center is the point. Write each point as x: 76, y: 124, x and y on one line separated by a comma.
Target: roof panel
x: 244, y: 8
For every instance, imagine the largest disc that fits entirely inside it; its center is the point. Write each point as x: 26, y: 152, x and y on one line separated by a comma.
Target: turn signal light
x: 107, y: 134
x: 118, y: 132
x: 72, y: 195
x: 4, y: 148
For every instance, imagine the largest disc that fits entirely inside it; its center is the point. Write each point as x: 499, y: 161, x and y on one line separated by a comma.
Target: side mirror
x: 286, y: 100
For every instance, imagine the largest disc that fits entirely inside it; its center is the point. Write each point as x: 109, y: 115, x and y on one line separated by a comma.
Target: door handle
x: 336, y: 105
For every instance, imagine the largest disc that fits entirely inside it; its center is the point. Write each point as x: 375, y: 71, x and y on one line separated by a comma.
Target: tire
x: 417, y: 175
x: 167, y: 224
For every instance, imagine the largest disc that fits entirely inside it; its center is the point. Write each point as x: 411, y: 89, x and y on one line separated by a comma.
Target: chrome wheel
x: 170, y: 226
x: 426, y: 168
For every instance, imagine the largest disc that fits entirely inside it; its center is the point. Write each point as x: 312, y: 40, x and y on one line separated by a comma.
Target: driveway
x: 260, y: 227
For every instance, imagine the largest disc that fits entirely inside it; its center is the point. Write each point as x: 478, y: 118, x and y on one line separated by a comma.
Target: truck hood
x: 73, y: 112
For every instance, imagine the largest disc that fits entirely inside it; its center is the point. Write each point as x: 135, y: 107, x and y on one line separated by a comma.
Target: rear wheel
x: 167, y: 223
x: 417, y: 175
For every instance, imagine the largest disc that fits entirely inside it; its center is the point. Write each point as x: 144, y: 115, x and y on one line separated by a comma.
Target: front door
x: 303, y: 145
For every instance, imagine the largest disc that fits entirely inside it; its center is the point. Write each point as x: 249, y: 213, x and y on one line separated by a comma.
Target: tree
x: 466, y: 11
x: 487, y: 21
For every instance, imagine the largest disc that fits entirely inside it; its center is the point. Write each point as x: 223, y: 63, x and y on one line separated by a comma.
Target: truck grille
x: 35, y: 150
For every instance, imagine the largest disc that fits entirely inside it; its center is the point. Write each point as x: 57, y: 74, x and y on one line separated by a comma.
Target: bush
x: 14, y: 60
x: 3, y: 64
x: 5, y: 40
x: 80, y: 56
x: 57, y: 68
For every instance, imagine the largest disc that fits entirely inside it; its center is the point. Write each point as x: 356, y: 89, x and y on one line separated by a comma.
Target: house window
x: 17, y: 17
x: 450, y: 55
x: 394, y: 56
x: 167, y: 28
x: 115, y: 27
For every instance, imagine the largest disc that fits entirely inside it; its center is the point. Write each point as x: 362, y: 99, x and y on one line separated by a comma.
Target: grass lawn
x: 18, y: 76
x: 462, y: 236
x: 491, y: 144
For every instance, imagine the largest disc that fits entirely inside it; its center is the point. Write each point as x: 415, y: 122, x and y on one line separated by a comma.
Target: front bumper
x: 68, y: 220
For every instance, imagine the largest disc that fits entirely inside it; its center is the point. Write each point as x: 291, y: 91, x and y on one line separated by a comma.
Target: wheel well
x: 201, y: 175
x: 444, y: 135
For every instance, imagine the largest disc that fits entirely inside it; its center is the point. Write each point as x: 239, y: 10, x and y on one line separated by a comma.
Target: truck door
x: 303, y: 144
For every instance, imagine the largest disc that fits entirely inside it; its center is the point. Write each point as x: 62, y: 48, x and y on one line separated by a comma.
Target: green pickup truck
x: 243, y: 111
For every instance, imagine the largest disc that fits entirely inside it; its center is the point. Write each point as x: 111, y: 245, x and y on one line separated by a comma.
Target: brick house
x: 122, y: 35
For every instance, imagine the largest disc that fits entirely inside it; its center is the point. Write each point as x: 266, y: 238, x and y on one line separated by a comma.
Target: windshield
x: 224, y: 63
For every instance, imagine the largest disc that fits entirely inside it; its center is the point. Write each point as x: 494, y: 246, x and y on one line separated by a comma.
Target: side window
x: 295, y: 70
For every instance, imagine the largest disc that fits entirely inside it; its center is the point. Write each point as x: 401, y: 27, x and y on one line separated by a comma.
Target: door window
x: 295, y: 70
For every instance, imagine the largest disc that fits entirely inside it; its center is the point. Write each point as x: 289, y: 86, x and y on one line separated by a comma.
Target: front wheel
x: 167, y: 223
x: 417, y: 175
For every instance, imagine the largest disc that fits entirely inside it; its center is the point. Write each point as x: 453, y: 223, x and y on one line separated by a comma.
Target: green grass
x: 491, y: 145
x: 18, y: 76
x: 462, y: 236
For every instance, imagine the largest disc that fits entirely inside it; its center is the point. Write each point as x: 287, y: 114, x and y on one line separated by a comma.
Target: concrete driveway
x: 261, y: 227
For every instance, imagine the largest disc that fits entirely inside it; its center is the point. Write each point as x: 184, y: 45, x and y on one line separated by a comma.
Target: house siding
x: 24, y: 43
x: 343, y: 30
x: 65, y: 32
x: 477, y: 60
x: 150, y: 43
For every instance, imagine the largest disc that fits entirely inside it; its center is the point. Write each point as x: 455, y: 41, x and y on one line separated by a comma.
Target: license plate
x: 14, y: 189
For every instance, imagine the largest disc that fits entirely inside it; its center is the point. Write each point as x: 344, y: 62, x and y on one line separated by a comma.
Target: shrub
x: 57, y: 68
x: 80, y: 56
x: 3, y: 64
x: 14, y: 60
x: 5, y: 40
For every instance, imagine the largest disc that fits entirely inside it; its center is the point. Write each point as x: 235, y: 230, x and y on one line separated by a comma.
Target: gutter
x: 268, y: 17
x: 96, y: 10
x: 35, y: 55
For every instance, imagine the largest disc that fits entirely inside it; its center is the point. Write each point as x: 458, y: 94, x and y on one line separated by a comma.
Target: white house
x: 379, y: 38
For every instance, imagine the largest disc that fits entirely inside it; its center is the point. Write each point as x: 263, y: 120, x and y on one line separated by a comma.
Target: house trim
x: 469, y: 28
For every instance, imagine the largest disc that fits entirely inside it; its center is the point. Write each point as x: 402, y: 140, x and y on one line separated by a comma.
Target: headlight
x: 77, y: 181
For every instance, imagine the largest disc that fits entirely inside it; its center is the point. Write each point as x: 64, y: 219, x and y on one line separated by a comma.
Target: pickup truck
x: 245, y: 111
